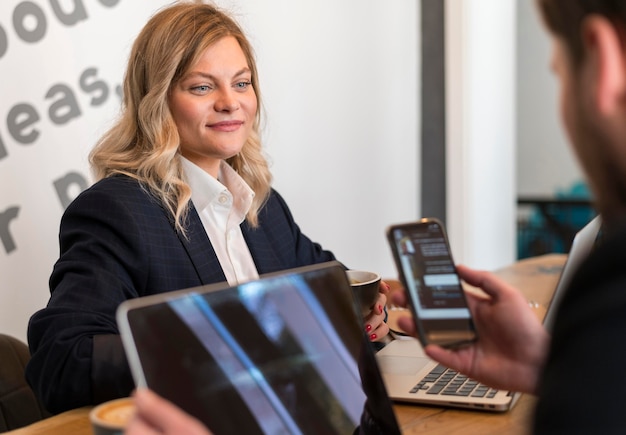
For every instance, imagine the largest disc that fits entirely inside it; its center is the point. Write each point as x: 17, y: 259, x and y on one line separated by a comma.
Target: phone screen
x: 423, y: 257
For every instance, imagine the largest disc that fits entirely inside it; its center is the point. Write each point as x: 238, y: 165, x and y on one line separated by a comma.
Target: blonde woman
x: 183, y: 198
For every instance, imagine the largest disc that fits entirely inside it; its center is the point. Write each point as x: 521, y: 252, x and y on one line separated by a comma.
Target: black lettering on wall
x: 5, y: 235
x: 94, y: 86
x: 20, y: 119
x: 66, y: 107
x: 64, y: 186
x: 20, y: 13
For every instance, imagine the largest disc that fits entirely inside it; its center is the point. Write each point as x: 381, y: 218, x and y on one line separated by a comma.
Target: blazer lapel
x: 204, y: 259
x: 260, y: 248
x: 201, y: 251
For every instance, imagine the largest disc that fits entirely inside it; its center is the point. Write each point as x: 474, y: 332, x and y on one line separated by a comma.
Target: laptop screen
x: 277, y: 355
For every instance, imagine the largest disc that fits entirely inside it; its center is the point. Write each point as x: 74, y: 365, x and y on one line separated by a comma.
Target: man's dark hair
x: 565, y: 17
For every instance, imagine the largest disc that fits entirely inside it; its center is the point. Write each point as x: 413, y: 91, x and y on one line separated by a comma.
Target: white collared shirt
x: 222, y: 205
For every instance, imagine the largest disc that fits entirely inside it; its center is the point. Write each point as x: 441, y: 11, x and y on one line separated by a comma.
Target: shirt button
x: 222, y: 199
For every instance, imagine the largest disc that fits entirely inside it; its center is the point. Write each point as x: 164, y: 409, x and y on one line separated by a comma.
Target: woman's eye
x: 201, y: 88
x: 243, y: 84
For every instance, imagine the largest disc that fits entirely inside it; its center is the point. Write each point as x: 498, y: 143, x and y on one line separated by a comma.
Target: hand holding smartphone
x: 422, y: 255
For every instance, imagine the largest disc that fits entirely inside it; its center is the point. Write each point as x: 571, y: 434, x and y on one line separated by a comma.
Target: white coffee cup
x: 112, y: 417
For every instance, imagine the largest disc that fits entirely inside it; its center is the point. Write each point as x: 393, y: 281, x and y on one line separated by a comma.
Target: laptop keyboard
x: 447, y: 382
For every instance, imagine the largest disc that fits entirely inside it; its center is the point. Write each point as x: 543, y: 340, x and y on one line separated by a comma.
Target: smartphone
x: 422, y: 255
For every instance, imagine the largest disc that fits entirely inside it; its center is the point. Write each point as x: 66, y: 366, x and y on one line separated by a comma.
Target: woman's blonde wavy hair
x: 144, y: 142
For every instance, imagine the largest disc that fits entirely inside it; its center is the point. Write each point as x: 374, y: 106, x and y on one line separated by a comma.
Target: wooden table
x: 74, y: 422
x: 535, y: 277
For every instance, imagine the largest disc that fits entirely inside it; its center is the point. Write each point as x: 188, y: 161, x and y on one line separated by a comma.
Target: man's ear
x: 605, y: 59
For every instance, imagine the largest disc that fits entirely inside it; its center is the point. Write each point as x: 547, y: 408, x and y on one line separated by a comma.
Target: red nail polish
x: 368, y: 328
x: 373, y: 337
x: 380, y: 309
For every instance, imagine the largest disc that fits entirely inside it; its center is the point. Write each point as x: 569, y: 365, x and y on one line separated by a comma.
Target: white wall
x: 545, y: 163
x: 42, y: 58
x: 480, y: 109
x: 340, y: 85
x: 339, y: 81
x: 505, y: 137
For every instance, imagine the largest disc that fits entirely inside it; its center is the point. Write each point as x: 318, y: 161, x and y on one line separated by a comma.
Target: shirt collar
x: 205, y: 189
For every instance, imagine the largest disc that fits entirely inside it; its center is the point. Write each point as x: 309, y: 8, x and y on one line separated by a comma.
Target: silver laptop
x: 584, y: 242
x: 410, y: 376
x: 282, y: 354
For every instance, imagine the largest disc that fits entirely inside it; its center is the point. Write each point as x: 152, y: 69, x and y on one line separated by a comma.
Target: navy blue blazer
x: 117, y: 242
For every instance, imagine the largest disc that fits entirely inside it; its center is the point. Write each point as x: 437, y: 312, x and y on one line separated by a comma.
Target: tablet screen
x: 276, y: 355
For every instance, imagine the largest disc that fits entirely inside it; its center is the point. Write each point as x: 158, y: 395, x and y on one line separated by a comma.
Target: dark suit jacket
x: 116, y: 243
x: 583, y: 388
